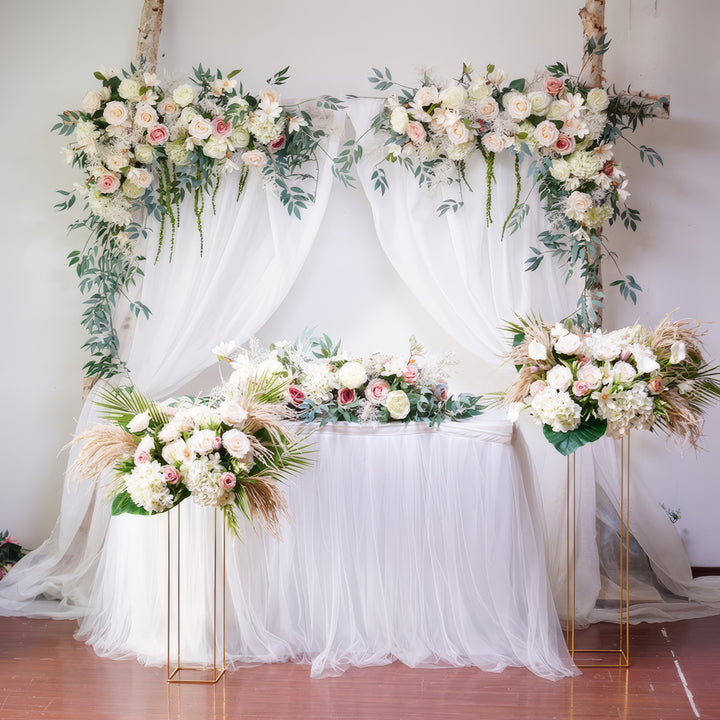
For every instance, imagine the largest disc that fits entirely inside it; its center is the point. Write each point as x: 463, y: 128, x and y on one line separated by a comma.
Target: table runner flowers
x: 326, y: 384
x: 581, y: 385
x: 228, y: 450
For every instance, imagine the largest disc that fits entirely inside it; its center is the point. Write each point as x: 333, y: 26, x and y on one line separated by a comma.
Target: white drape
x: 253, y: 251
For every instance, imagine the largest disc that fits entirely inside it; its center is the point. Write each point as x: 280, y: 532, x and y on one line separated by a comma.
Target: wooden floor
x: 45, y: 673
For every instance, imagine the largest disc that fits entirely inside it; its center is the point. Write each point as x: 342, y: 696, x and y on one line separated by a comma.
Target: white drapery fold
x: 468, y: 279
x: 253, y: 251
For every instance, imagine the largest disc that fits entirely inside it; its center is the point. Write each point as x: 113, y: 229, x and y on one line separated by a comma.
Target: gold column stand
x: 619, y: 655
x: 177, y: 672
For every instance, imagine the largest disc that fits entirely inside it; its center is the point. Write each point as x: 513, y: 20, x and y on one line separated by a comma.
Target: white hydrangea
x: 318, y: 382
x: 147, y: 487
x: 632, y: 408
x: 556, y: 409
x: 202, y: 478
x: 263, y: 128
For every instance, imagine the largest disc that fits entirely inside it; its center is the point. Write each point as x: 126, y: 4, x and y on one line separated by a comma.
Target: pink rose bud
x: 655, y: 385
x: 410, y: 374
x: 297, y: 396
x: 625, y: 354
x: 227, y: 481
x: 221, y: 128
x: 218, y: 443
x: 171, y: 475
x: 534, y: 368
x: 584, y: 359
x: 580, y: 388
x: 346, y: 396
x: 108, y: 183
x: 158, y: 135
x: 554, y: 86
x: 142, y: 457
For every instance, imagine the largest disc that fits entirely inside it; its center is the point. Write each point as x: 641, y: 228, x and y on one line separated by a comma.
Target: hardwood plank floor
x: 45, y: 673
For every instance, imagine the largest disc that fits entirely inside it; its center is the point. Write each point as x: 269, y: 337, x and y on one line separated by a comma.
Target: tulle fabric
x: 406, y: 543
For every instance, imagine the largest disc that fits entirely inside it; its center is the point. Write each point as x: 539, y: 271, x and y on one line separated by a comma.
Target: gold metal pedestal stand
x: 177, y: 672
x: 603, y: 657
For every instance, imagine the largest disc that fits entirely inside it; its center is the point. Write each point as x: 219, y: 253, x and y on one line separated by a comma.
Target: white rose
x: 560, y: 169
x: 254, y: 158
x: 116, y: 162
x: 568, y: 344
x: 240, y: 138
x: 115, y: 113
x: 426, y: 95
x: 494, y: 142
x: 215, y: 148
x: 140, y: 422
x: 238, y: 445
x: 352, y: 375
x: 539, y: 102
x: 461, y: 152
x: 184, y: 94
x: 144, y: 154
x: 169, y: 433
x: 678, y: 352
x: 546, y: 133
x: 168, y: 107
x: 517, y: 105
x: 559, y: 377
x: 177, y: 452
x: 556, y: 110
x: 399, y: 119
x: 458, y: 133
x: 202, y: 442
x: 479, y: 90
x: 398, y: 404
x: 91, y: 102
x: 200, y: 128
x: 597, y: 100
x: 232, y: 413
x: 140, y: 177
x: 578, y: 203
x: 129, y: 89
x: 442, y: 118
x: 145, y: 115
x: 487, y: 108
x: 623, y: 372
x: 591, y: 375
x: 536, y: 350
x: 453, y: 95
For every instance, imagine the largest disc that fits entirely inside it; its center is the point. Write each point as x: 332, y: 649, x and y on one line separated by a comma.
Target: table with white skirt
x: 409, y: 543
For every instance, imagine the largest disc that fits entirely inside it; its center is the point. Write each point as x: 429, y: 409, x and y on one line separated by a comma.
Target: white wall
x: 50, y: 49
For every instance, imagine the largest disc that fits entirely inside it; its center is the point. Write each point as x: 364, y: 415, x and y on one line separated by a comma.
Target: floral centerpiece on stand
x: 581, y: 385
x: 229, y: 450
x: 326, y: 384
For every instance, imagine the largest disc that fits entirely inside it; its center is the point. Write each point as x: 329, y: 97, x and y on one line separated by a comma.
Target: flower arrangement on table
x: 10, y: 552
x: 229, y: 450
x: 582, y: 385
x: 325, y: 384
x: 565, y: 128
x: 144, y: 146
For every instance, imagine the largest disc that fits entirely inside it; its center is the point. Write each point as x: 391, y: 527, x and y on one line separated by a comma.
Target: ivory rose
x: 144, y: 154
x: 352, y: 375
x: 168, y: 107
x: 458, y: 133
x: 479, y: 90
x: 539, y: 102
x: 116, y: 162
x: 129, y: 89
x: 215, y: 148
x: 238, y: 445
x: 139, y: 423
x: 577, y: 204
x: 240, y: 138
x: 399, y: 120
x: 568, y: 344
x: 487, y: 108
x: 597, y: 100
x: 145, y: 115
x: 115, y: 113
x: 184, y: 94
x: 546, y: 133
x: 140, y: 177
x: 559, y: 377
x: 202, y: 442
x: 200, y: 128
x: 177, y: 452
x: 232, y: 413
x: 398, y: 404
x: 453, y: 95
x: 591, y: 375
x: 254, y: 158
x: 91, y: 102
x: 537, y: 351
x: 426, y: 95
x: 517, y: 105
x: 494, y: 142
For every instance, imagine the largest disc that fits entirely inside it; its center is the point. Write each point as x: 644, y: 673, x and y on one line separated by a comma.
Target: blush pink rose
x: 218, y: 443
x: 142, y: 457
x: 537, y: 387
x: 410, y: 374
x: 584, y: 359
x: 346, y: 396
x: 564, y: 144
x: 377, y: 391
x: 171, y: 475
x: 108, y: 183
x: 297, y: 396
x: 554, y: 86
x: 655, y: 385
x: 440, y: 392
x: 416, y: 132
x: 227, y: 480
x: 580, y: 388
x: 221, y: 128
x: 278, y: 144
x: 158, y: 135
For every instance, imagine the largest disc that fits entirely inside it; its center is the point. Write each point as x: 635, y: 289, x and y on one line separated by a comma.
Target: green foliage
x: 121, y: 404
x: 566, y: 443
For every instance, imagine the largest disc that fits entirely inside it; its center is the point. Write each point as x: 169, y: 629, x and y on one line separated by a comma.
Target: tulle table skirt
x: 406, y: 543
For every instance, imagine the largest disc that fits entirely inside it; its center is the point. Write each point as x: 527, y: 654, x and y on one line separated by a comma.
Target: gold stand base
x: 618, y: 656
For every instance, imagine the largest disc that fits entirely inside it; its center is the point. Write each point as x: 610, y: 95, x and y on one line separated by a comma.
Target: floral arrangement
x: 325, y: 384
x: 144, y: 146
x: 581, y: 385
x: 566, y: 129
x: 228, y: 450
x: 10, y: 552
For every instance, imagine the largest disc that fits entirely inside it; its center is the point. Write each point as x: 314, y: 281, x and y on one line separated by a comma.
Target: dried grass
x: 267, y: 504
x: 102, y: 446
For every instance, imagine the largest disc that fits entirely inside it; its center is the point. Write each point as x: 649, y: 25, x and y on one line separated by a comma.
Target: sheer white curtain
x: 471, y: 282
x: 253, y: 251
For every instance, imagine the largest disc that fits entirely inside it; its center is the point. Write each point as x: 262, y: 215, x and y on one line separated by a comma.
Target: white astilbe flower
x: 202, y: 478
x: 147, y: 487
